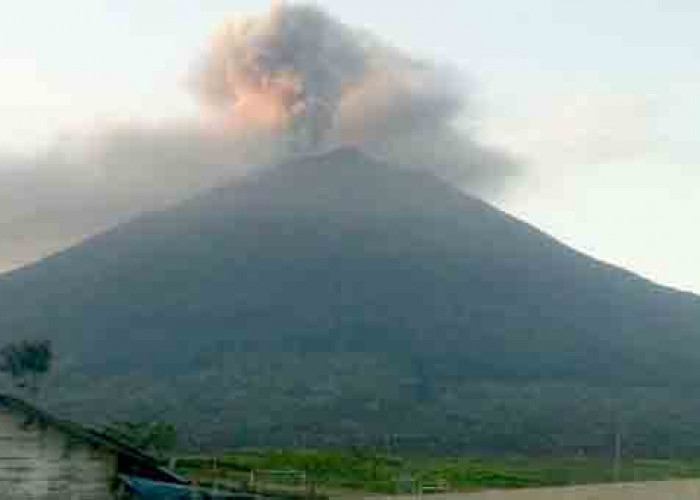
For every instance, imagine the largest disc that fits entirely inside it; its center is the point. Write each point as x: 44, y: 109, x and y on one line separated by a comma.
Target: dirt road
x: 663, y: 490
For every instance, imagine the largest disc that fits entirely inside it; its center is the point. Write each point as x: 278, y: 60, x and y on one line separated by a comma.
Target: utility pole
x: 617, y: 459
x: 388, y: 443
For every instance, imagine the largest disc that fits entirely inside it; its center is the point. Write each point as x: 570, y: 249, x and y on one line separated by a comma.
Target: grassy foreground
x: 335, y: 472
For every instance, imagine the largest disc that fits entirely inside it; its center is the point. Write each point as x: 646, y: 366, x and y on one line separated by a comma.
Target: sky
x: 596, y: 100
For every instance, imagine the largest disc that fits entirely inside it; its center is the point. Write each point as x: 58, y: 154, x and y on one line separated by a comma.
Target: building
x: 46, y: 458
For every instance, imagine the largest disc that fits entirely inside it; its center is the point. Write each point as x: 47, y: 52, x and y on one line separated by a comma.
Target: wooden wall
x: 42, y: 463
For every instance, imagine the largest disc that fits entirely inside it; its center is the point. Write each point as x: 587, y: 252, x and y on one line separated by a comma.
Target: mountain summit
x: 344, y: 298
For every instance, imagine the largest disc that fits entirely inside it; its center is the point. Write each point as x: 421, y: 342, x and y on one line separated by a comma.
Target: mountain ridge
x: 340, y: 279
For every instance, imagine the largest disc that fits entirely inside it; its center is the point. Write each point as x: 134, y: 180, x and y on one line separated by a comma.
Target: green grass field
x: 336, y: 472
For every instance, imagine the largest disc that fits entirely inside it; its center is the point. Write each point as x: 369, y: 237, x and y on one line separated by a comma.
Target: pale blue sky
x: 599, y: 97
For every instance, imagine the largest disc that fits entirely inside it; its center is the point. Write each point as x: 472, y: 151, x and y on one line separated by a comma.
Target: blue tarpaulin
x: 144, y: 489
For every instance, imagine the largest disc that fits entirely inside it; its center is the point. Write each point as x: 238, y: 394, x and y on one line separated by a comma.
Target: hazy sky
x: 597, y: 98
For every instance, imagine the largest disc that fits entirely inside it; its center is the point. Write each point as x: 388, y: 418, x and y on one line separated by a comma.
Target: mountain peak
x: 318, y: 287
x: 341, y: 158
x: 343, y: 154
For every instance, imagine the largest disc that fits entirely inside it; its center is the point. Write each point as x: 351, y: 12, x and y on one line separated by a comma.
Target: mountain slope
x: 337, y: 295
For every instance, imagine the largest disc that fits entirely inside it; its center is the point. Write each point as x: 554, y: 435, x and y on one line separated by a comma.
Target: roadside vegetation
x: 336, y: 472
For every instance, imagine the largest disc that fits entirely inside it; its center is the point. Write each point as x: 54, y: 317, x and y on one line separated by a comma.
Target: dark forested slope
x: 342, y: 298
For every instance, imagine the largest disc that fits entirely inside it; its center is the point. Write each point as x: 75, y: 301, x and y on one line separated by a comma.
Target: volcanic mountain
x: 341, y: 299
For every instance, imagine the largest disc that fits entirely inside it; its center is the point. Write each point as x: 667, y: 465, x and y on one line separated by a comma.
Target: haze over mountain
x: 341, y: 298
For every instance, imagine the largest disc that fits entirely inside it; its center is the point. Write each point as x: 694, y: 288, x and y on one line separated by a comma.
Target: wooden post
x: 311, y: 489
x: 617, y: 460
x: 215, y: 486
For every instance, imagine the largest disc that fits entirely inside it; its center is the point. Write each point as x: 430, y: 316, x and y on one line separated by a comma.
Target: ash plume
x: 318, y: 83
x: 288, y: 69
x: 290, y: 82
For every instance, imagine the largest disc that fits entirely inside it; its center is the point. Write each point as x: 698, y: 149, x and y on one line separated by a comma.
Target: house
x: 46, y: 458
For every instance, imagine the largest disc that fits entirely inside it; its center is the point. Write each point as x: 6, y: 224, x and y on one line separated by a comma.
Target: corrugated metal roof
x: 144, y: 489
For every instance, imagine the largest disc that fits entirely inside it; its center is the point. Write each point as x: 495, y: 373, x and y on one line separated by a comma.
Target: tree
x: 27, y: 362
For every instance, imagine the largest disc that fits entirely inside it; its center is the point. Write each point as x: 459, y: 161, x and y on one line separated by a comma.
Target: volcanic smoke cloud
x: 287, y: 70
x: 299, y: 72
x: 290, y: 82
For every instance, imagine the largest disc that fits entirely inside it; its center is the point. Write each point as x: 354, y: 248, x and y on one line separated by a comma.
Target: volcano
x: 342, y: 299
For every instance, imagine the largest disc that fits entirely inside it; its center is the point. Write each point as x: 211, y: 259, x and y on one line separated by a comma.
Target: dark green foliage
x: 27, y: 362
x: 367, y: 470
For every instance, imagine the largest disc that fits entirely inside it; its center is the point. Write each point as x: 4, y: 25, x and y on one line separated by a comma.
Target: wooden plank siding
x: 40, y: 462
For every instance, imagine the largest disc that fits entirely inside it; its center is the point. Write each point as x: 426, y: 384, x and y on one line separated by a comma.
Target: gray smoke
x: 289, y: 82
x: 87, y: 184
x: 287, y: 69
x: 318, y: 83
